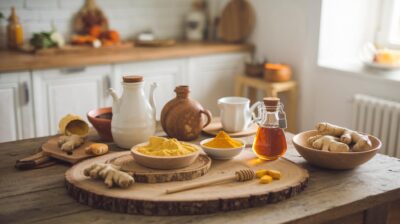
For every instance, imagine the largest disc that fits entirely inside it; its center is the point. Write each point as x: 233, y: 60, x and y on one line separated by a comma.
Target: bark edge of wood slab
x: 150, y: 199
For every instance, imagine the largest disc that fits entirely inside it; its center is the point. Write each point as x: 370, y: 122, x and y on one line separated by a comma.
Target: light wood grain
x: 14, y: 61
x: 143, y: 174
x: 39, y: 195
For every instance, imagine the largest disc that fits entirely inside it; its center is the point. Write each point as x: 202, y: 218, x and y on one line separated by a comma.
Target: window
x: 389, y: 27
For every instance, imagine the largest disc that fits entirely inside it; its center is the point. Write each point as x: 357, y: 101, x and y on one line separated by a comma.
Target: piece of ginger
x: 327, y: 143
x: 69, y: 143
x: 110, y: 174
x: 266, y: 179
x: 97, y: 149
x: 361, y: 142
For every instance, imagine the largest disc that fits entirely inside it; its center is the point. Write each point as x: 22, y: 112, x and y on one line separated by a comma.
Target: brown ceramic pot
x: 101, y: 120
x: 184, y: 118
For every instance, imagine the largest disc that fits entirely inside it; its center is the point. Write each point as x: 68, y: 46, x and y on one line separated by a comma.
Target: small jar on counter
x: 15, y: 33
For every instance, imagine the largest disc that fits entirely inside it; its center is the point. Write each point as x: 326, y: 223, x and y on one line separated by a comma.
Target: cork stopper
x: 182, y: 91
x: 271, y: 103
x: 13, y: 17
x: 132, y: 78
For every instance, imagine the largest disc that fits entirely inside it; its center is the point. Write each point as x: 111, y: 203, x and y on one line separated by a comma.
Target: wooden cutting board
x: 51, y: 148
x: 216, y: 126
x: 237, y: 21
x: 151, y: 199
x: 146, y: 175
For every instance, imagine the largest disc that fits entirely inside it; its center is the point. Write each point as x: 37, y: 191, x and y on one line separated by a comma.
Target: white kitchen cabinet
x: 167, y: 73
x: 16, y: 111
x: 212, y: 77
x: 58, y: 92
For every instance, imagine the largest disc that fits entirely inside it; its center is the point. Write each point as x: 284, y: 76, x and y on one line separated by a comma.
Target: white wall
x: 288, y: 31
x: 164, y: 17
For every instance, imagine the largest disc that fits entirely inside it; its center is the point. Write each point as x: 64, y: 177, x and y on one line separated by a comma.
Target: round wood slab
x: 216, y: 126
x: 151, y: 199
x: 146, y: 175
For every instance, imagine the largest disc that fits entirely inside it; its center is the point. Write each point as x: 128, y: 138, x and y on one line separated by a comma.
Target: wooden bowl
x: 277, y: 73
x: 101, y: 120
x: 333, y: 160
x: 222, y: 153
x: 164, y: 162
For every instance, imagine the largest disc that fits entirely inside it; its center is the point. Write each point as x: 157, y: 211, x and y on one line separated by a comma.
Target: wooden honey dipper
x: 240, y: 175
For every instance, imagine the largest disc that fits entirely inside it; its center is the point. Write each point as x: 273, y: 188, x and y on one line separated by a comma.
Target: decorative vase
x: 183, y: 118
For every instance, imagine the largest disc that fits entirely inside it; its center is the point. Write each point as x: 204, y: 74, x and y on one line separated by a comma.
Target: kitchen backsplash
x: 164, y: 17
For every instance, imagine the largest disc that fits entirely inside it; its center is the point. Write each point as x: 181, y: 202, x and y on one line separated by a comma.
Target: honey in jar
x: 270, y: 141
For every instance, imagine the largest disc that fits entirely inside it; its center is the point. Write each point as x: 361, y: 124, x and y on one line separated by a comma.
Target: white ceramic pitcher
x: 134, y: 117
x: 236, y: 114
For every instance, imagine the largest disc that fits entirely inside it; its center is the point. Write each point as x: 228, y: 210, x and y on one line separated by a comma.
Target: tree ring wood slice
x: 146, y: 175
x: 151, y: 199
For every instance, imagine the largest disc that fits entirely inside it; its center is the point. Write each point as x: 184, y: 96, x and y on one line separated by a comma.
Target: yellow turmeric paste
x: 223, y: 140
x: 159, y: 146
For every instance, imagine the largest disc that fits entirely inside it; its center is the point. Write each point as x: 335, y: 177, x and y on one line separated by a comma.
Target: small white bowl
x: 164, y: 162
x: 222, y: 153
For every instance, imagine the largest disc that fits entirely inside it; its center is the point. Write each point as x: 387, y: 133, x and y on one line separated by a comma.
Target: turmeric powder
x: 159, y: 146
x: 223, y: 140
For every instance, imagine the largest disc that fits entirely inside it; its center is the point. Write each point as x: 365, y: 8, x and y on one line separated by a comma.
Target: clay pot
x: 101, y: 120
x: 183, y: 118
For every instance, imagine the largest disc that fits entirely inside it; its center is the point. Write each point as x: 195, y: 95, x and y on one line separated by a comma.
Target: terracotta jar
x: 184, y: 118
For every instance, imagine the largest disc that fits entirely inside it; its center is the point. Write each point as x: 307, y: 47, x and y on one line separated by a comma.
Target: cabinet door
x: 58, y: 92
x: 166, y: 73
x: 212, y: 77
x: 16, y: 112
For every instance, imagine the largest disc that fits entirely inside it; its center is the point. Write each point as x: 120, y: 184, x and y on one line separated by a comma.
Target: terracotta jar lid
x: 132, y: 78
x: 182, y: 91
x: 271, y: 103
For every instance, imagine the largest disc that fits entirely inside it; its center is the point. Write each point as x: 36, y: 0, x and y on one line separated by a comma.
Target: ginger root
x: 328, y: 143
x: 97, y: 149
x: 110, y: 173
x: 361, y: 142
x: 69, y: 143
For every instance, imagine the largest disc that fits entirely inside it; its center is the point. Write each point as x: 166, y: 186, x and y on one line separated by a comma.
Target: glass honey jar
x: 270, y: 140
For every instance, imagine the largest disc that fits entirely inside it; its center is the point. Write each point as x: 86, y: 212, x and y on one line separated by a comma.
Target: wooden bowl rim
x: 92, y: 114
x: 134, y: 151
x: 222, y: 149
x: 337, y: 153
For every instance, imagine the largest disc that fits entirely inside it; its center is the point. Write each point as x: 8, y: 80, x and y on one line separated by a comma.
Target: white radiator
x: 380, y: 118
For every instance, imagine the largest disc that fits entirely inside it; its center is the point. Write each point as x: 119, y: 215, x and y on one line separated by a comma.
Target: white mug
x: 235, y: 113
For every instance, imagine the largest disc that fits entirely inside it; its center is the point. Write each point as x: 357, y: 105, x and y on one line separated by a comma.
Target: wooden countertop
x: 355, y: 196
x: 15, y: 61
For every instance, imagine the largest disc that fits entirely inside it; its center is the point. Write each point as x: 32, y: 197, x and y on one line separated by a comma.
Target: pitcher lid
x: 132, y: 78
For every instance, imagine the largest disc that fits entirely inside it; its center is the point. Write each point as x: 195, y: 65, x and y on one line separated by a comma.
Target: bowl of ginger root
x: 334, y: 147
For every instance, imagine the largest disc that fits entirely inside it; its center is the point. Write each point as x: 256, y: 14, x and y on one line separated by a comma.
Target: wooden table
x: 355, y: 196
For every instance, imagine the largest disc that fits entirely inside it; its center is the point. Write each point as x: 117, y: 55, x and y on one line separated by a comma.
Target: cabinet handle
x: 108, y: 83
x: 26, y: 92
x: 72, y: 70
